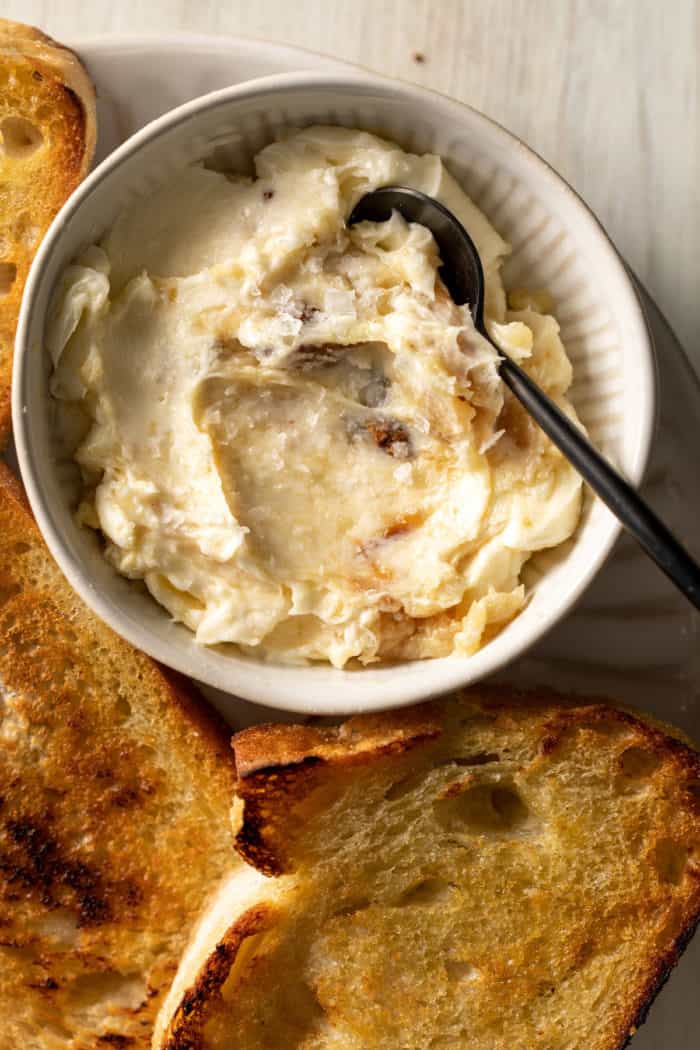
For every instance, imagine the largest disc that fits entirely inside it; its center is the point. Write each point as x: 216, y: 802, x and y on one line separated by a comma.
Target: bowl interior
x: 557, y: 245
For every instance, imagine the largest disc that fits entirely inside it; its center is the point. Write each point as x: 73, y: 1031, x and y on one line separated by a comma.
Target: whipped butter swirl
x: 288, y: 430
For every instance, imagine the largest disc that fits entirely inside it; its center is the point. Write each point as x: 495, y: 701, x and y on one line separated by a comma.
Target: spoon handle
x: 634, y: 513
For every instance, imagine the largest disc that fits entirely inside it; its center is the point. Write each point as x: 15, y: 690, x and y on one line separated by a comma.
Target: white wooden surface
x: 606, y: 90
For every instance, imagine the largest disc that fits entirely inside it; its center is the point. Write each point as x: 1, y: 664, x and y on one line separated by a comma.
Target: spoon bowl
x: 461, y: 271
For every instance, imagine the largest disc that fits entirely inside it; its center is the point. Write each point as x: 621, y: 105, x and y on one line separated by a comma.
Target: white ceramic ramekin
x: 557, y: 244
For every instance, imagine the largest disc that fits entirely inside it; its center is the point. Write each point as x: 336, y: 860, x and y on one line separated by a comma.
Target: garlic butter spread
x: 288, y: 430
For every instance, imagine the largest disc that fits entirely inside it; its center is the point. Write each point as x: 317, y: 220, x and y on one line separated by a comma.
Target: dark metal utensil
x: 463, y: 276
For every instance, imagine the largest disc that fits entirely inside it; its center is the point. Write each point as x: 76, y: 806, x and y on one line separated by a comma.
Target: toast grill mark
x: 32, y: 859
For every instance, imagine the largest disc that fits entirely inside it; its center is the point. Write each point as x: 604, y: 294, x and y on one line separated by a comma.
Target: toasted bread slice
x: 47, y: 139
x: 489, y: 873
x: 115, y: 794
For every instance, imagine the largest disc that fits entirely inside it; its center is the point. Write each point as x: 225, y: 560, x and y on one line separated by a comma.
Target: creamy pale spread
x: 288, y: 430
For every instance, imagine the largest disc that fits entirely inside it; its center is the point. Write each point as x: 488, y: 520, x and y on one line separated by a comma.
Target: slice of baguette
x: 493, y: 872
x: 47, y: 140
x: 115, y: 794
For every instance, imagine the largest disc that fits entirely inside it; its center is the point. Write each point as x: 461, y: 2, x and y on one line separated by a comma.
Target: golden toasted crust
x: 48, y: 130
x: 568, y: 832
x: 191, y: 1013
x: 279, y: 766
x: 115, y: 785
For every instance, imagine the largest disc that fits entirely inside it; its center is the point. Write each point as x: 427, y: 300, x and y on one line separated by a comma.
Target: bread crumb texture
x: 495, y: 872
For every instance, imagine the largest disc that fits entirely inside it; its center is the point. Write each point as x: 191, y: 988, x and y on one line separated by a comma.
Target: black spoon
x: 463, y: 276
